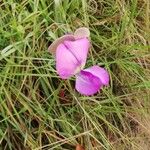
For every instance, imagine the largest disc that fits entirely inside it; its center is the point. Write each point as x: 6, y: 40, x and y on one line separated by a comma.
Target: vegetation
x: 39, y: 111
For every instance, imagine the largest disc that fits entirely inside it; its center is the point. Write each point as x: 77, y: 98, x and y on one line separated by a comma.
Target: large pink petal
x: 52, y: 48
x: 87, y: 83
x: 79, y: 49
x: 66, y: 63
x: 99, y: 72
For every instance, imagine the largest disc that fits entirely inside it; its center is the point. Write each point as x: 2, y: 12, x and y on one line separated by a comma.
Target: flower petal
x: 82, y: 33
x: 99, y: 72
x: 52, y: 48
x: 66, y: 63
x: 79, y: 48
x: 87, y: 83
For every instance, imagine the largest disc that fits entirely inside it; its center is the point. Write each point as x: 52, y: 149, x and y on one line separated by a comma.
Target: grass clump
x: 40, y: 111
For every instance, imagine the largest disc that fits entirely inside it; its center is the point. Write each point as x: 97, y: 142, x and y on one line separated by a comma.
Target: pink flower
x: 71, y: 53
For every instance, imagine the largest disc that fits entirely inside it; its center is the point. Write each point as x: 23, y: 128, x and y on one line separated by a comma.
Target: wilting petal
x: 99, y: 72
x: 66, y: 63
x: 79, y: 48
x: 87, y: 83
x: 52, y: 48
x: 82, y: 33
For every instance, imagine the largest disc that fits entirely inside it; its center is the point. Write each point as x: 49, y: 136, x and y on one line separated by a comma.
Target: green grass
x: 39, y: 111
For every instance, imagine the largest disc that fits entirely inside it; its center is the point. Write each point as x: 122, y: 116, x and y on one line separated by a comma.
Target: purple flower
x: 71, y: 53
